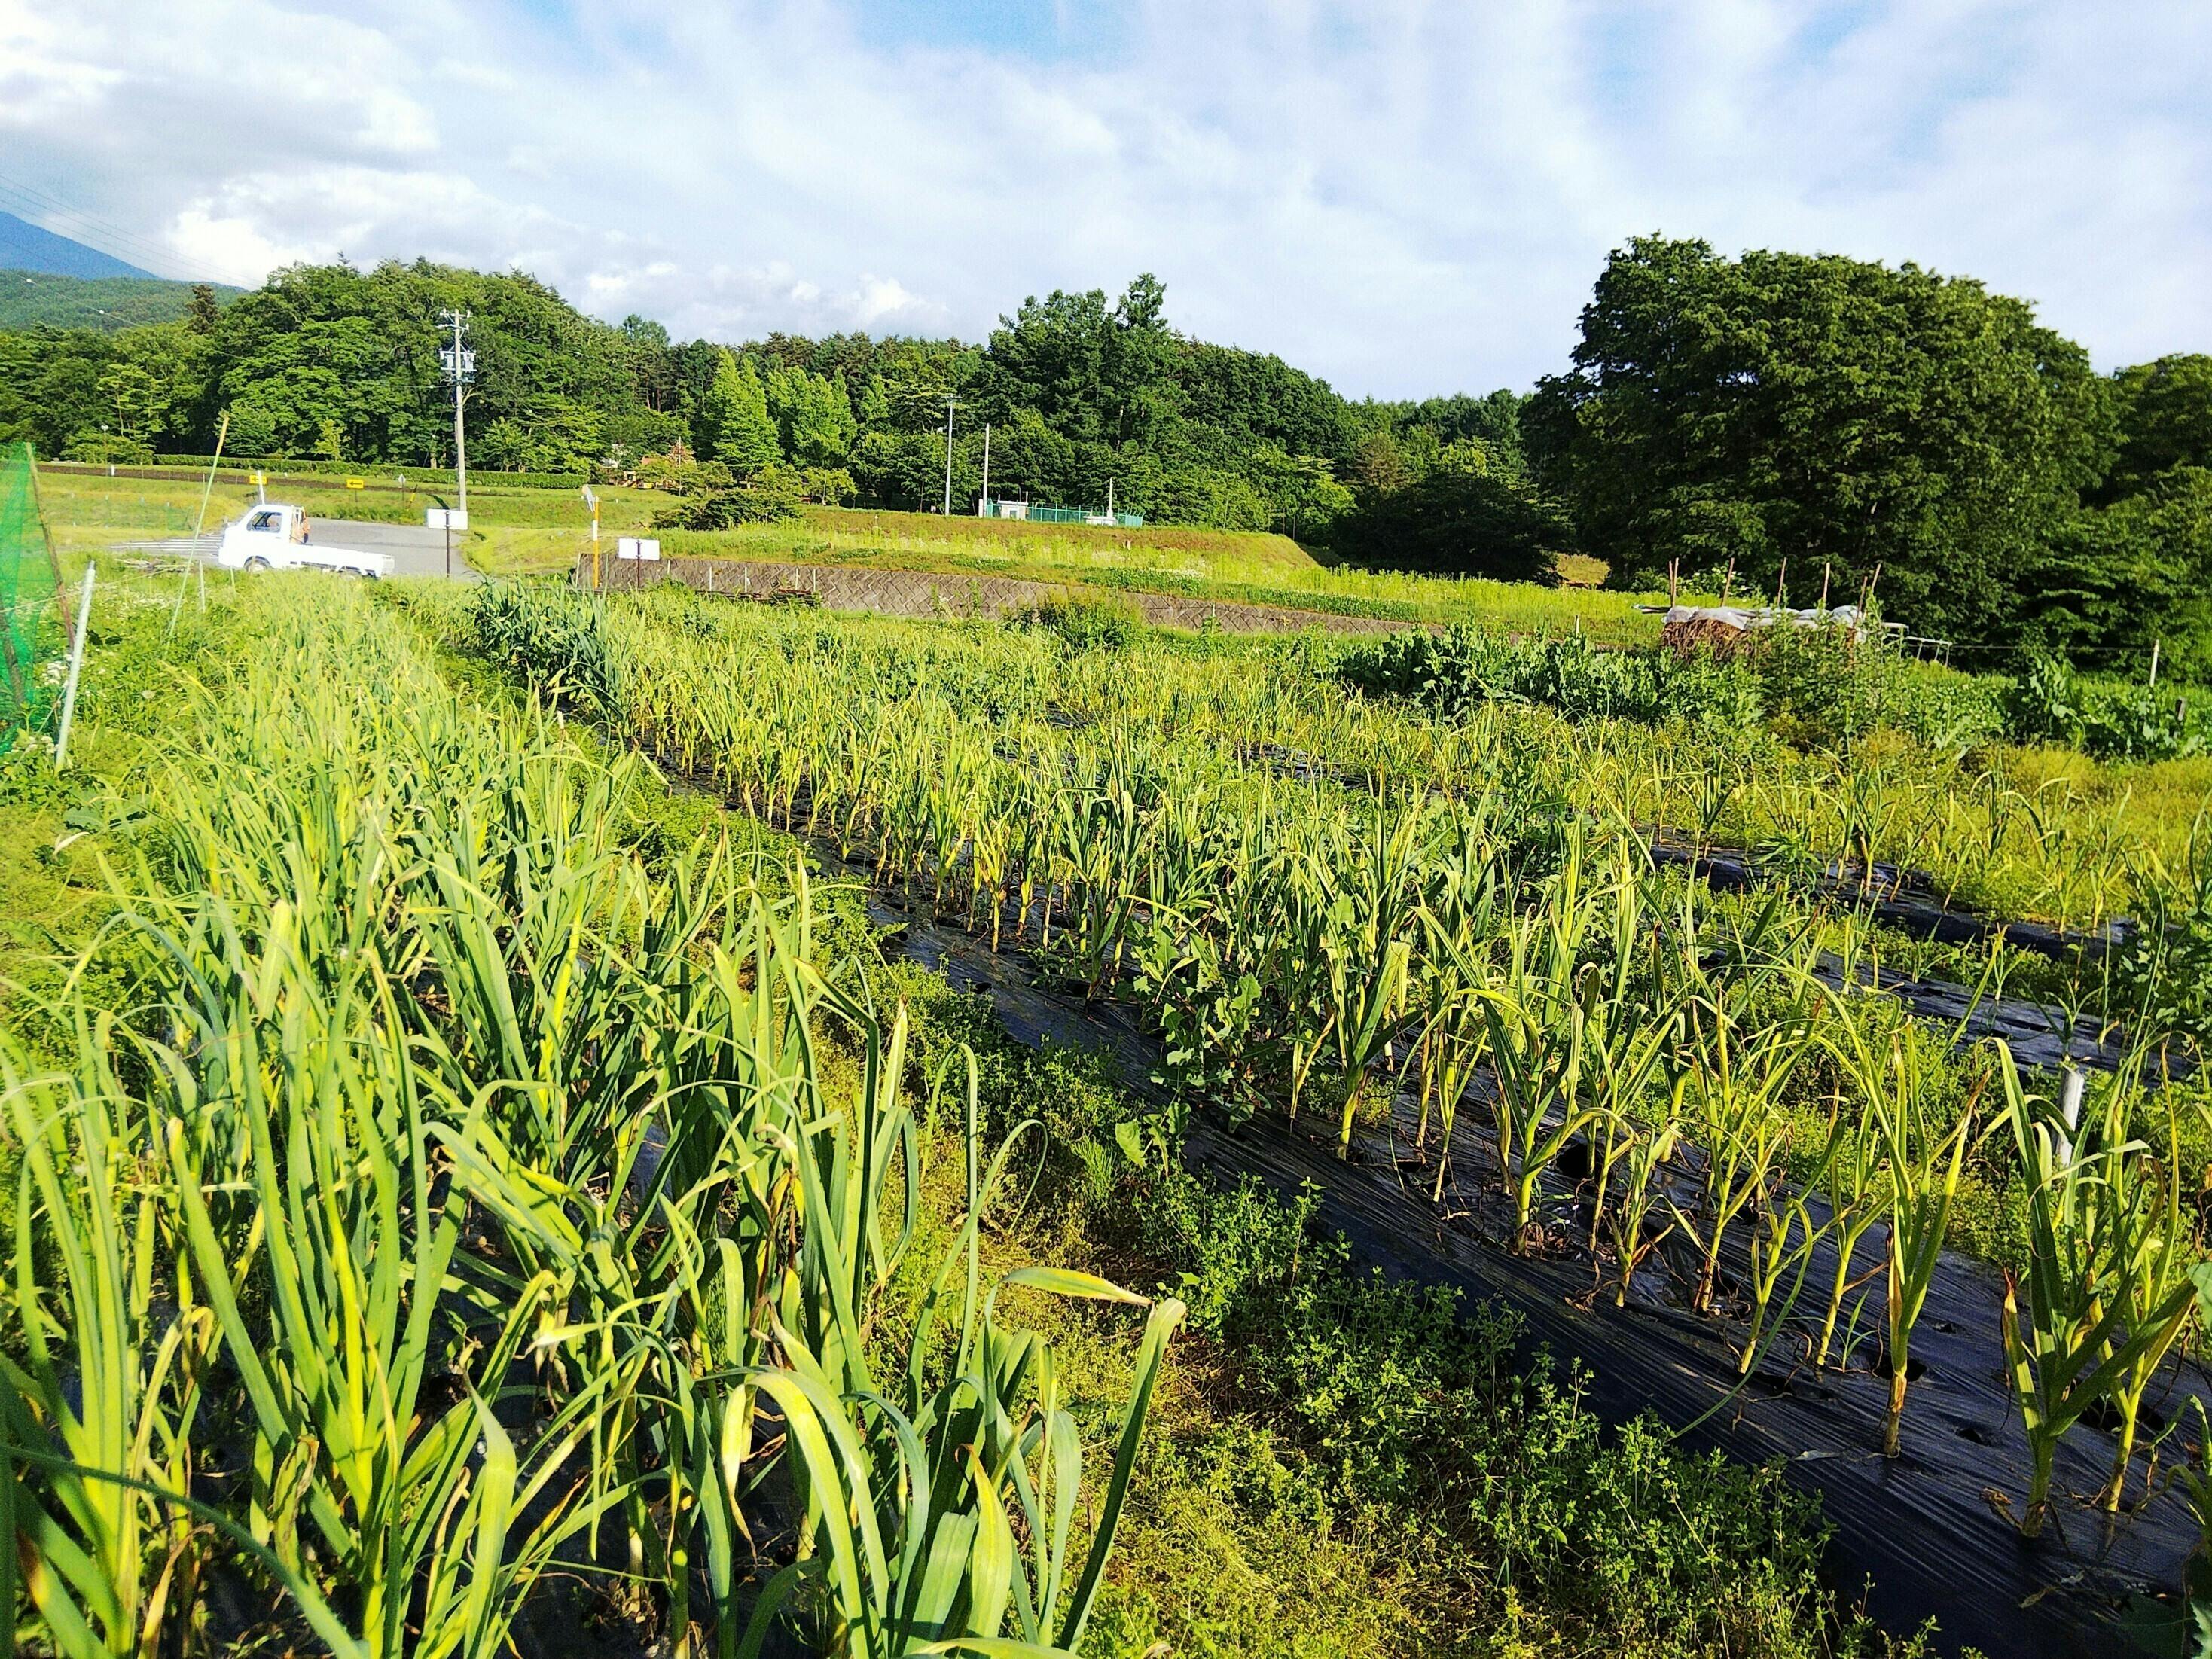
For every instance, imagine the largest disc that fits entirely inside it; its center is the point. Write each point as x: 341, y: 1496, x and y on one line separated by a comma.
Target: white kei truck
x: 274, y: 536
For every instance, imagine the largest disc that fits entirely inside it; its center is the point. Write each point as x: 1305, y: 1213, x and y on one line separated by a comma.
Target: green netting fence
x: 30, y: 626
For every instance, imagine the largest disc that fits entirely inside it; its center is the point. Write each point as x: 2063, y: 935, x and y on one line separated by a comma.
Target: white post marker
x: 592, y: 501
x: 985, y: 495
x: 76, y: 667
x: 2069, y: 1108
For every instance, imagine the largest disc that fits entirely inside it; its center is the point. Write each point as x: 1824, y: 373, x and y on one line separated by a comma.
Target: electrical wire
x: 43, y: 210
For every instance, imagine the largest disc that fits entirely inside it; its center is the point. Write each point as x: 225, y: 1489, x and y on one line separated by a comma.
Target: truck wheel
x: 257, y: 562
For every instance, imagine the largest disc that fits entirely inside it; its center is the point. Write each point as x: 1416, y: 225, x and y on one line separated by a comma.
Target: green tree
x: 1822, y: 412
x: 2165, y: 416
x: 1378, y: 467
x: 875, y: 409
x: 1301, y: 490
x: 2116, y: 578
x: 203, y: 311
x: 1474, y: 510
x: 813, y: 417
x: 734, y: 427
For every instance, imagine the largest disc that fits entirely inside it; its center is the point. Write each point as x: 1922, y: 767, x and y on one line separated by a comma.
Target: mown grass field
x: 540, y: 531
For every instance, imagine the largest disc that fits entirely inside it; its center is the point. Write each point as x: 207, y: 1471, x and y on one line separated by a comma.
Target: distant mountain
x: 24, y: 247
x: 30, y: 299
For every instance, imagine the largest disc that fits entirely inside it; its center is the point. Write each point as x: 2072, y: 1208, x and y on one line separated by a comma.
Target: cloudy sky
x: 1404, y: 196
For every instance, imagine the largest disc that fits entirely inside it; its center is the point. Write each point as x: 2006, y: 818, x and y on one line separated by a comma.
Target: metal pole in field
x: 446, y: 519
x: 2155, y: 645
x: 985, y: 495
x: 76, y: 667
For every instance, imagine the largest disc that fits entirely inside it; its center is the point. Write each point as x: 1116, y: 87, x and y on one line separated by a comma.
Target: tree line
x: 1775, y: 423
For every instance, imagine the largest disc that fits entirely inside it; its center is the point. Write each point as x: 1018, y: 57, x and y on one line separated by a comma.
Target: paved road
x: 415, y: 551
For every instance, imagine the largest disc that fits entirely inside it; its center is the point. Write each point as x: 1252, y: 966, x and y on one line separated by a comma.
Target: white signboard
x: 446, y: 518
x: 637, y: 547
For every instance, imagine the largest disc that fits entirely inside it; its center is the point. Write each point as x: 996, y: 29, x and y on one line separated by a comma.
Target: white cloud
x: 1405, y: 196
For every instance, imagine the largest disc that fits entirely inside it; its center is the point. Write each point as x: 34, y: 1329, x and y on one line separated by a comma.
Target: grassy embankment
x: 526, y: 531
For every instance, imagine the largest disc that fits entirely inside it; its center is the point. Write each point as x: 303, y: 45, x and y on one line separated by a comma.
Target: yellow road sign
x: 356, y: 483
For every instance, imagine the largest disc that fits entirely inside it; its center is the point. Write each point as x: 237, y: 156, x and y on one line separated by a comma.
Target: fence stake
x: 37, y: 507
x: 76, y: 667
x: 14, y: 668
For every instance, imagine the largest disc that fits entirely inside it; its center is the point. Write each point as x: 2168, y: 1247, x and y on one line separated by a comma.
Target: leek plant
x: 493, y: 1188
x: 1644, y: 1153
x: 1923, y: 1158
x: 1730, y: 1096
x: 106, y: 1379
x: 2110, y: 1285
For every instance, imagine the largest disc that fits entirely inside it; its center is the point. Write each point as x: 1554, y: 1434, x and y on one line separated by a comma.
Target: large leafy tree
x: 1820, y: 414
x: 1469, y: 507
x: 2164, y: 411
x: 2118, y: 579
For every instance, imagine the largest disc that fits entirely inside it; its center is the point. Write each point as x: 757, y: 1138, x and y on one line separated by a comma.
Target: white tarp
x: 1744, y: 616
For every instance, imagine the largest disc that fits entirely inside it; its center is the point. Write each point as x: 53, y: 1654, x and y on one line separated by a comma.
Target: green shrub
x: 2111, y: 720
x: 1086, y: 624
x: 1825, y: 688
x: 1463, y: 666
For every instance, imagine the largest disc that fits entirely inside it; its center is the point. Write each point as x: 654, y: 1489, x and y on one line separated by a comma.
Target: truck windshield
x: 266, y: 521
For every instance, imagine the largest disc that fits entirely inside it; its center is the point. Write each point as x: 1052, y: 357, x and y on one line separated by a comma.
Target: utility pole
x: 951, y: 404
x: 982, y: 501
x: 461, y: 365
x: 1110, y: 498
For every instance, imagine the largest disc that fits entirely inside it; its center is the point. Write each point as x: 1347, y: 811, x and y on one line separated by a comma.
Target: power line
x: 52, y: 214
x: 50, y: 205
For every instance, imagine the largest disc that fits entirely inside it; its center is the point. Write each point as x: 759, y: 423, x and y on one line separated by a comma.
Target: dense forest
x: 42, y: 298
x: 1777, y: 423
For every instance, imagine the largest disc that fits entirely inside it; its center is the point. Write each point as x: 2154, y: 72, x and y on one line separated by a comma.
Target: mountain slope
x: 30, y: 299
x: 25, y: 246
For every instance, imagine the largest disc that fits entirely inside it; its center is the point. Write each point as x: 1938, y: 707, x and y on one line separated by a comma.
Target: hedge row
x: 380, y: 471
